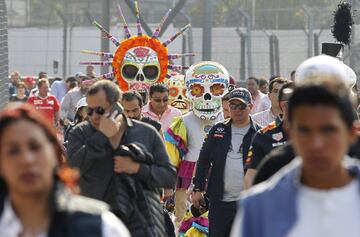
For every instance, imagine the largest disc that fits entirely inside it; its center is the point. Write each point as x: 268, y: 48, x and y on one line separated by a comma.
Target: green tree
x: 269, y: 14
x: 44, y: 12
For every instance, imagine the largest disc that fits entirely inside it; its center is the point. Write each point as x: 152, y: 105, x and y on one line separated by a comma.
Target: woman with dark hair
x: 35, y: 184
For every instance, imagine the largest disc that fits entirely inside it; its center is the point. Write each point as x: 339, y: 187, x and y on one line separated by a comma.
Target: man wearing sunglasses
x: 269, y: 137
x: 158, y: 107
x: 225, y: 150
x: 98, y: 149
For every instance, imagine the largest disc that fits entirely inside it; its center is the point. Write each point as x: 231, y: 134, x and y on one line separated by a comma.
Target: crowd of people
x: 145, y: 151
x: 82, y: 145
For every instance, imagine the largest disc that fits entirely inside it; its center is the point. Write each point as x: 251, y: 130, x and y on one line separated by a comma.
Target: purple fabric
x: 186, y: 225
x: 185, y: 174
x: 180, y: 142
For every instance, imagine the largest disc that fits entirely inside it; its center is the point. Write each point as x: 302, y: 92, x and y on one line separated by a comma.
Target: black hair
x: 159, y: 87
x: 280, y: 80
x: 292, y: 73
x: 43, y: 75
x: 263, y: 81
x: 286, y: 91
x: 132, y: 95
x: 312, y: 95
x: 255, y: 79
x: 111, y: 90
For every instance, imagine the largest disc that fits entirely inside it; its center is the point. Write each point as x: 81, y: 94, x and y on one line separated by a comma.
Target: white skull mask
x: 177, y: 93
x: 140, y: 68
x: 206, y: 83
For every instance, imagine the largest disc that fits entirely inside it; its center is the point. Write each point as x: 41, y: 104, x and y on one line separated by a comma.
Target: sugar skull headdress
x: 206, y: 83
x: 139, y: 61
x: 177, y: 92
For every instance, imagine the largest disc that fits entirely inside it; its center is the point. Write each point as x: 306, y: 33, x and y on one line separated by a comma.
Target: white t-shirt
x: 234, y: 168
x: 328, y: 213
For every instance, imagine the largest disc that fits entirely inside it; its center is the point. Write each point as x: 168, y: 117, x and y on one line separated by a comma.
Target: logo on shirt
x: 278, y: 136
x: 220, y: 129
x: 51, y: 102
x: 219, y: 132
x: 37, y: 102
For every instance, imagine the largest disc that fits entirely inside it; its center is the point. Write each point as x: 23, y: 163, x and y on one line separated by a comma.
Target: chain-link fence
x: 34, y: 49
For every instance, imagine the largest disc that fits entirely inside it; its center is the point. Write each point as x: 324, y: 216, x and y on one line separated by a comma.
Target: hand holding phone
x: 110, y: 124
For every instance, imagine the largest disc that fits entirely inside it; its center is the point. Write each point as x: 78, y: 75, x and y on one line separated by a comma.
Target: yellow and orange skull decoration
x: 177, y: 92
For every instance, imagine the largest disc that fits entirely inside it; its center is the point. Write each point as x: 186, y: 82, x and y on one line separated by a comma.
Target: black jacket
x: 72, y: 215
x: 90, y: 151
x: 283, y: 155
x: 214, y: 152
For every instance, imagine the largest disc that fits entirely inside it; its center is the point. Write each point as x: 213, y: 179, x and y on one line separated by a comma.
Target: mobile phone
x: 117, y: 107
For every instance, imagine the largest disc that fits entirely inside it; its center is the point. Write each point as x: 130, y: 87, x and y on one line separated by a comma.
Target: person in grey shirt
x: 72, y: 97
x: 225, y: 150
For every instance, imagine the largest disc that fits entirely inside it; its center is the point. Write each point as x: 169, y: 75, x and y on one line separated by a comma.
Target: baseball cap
x: 78, y: 75
x: 241, y: 94
x: 81, y: 103
x: 29, y: 80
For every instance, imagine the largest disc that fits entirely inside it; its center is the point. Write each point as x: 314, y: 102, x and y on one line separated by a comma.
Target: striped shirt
x: 264, y: 118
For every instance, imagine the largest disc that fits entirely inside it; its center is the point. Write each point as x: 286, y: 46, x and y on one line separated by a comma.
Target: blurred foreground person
x: 318, y: 193
x: 35, y: 199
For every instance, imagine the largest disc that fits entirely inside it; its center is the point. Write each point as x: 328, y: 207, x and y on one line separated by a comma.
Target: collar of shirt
x: 147, y: 110
x: 10, y: 225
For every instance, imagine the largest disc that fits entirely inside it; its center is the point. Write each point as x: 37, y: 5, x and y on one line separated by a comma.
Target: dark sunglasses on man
x: 241, y: 106
x: 158, y: 100
x: 101, y: 111
x: 98, y: 110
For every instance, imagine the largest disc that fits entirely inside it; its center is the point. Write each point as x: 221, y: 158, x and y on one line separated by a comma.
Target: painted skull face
x: 177, y: 93
x: 140, y: 68
x: 206, y: 83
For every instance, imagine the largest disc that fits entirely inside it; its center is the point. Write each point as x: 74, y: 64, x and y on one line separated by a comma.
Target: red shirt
x: 48, y: 106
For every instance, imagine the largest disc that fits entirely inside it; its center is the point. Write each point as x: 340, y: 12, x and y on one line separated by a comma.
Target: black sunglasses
x: 158, y: 100
x: 237, y: 106
x: 99, y: 110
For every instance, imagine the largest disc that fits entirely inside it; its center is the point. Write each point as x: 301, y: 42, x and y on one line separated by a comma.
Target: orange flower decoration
x: 197, y: 90
x: 135, y: 41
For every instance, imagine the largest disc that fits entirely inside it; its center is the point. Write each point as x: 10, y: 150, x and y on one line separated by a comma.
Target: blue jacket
x: 213, y: 154
x: 269, y: 209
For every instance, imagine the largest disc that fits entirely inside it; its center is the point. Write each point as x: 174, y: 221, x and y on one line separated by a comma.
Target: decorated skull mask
x: 206, y: 83
x: 177, y: 92
x: 140, y: 68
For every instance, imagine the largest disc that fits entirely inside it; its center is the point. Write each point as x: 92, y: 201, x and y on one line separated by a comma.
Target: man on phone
x: 112, y: 149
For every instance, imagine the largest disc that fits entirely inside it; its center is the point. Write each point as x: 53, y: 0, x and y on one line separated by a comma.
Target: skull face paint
x: 140, y: 68
x: 177, y: 93
x: 206, y: 83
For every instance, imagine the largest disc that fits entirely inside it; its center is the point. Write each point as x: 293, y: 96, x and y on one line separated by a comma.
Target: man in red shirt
x: 47, y: 104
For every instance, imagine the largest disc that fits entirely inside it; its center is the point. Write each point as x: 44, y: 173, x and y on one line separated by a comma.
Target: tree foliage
x: 45, y: 12
x: 269, y: 14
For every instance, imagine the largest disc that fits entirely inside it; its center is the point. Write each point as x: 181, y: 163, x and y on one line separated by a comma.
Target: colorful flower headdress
x: 138, y: 46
